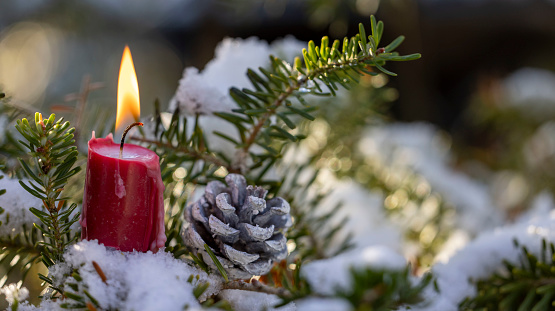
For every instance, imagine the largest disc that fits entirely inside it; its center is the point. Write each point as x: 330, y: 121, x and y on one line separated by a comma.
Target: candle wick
x: 123, y: 137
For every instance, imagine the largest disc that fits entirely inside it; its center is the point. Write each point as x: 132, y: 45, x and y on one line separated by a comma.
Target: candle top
x: 130, y: 152
x: 107, y: 148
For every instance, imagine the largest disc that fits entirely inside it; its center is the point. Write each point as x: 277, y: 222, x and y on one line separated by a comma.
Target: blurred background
x: 47, y: 47
x: 486, y: 81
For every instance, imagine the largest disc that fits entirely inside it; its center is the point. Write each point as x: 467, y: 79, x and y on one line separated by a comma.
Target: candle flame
x: 129, y: 108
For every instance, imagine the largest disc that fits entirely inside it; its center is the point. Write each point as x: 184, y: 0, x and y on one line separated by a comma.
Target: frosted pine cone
x: 242, y: 229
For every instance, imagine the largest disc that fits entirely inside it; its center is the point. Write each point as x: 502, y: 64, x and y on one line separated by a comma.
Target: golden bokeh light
x: 29, y: 56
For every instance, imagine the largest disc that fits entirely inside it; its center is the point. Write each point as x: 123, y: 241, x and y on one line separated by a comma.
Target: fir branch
x: 324, y: 66
x: 314, y: 235
x: 185, y: 150
x: 79, y: 297
x: 370, y: 289
x: 383, y: 290
x: 50, y: 145
x: 529, y: 285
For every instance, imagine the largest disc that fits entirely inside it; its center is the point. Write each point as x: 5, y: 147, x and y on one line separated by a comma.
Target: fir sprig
x: 528, y: 285
x: 50, y: 145
x: 370, y: 289
x: 314, y: 234
x: 269, y: 112
x: 382, y: 290
x: 325, y: 68
x: 19, y: 252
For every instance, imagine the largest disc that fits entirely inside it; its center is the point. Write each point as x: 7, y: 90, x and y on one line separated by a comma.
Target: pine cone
x: 244, y: 230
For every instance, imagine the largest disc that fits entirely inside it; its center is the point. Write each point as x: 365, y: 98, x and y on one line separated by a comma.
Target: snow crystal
x: 135, y: 281
x: 327, y: 275
x: 482, y: 257
x: 16, y: 203
x: 208, y: 91
x: 420, y: 147
x: 13, y: 293
x: 242, y: 300
x: 323, y: 304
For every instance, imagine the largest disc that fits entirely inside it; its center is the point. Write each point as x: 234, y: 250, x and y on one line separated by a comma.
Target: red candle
x: 123, y: 205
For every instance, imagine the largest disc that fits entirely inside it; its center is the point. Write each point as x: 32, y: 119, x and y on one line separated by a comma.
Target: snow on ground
x: 327, y: 275
x: 323, y: 304
x: 16, y: 203
x: 482, y: 257
x: 242, y: 300
x: 135, y: 281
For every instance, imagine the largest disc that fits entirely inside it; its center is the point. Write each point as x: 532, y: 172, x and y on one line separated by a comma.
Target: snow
x: 135, y: 281
x: 326, y: 276
x: 419, y: 147
x: 16, y: 203
x: 323, y: 304
x: 14, y: 293
x: 242, y: 300
x: 482, y: 257
x: 208, y: 91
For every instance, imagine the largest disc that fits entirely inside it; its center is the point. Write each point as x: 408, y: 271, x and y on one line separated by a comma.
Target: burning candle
x: 123, y: 204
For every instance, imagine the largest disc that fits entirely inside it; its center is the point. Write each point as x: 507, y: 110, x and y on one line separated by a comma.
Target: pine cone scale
x: 239, y: 225
x: 252, y: 233
x: 223, y: 230
x: 237, y: 256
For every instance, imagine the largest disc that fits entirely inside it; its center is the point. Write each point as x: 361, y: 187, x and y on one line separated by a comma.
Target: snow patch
x: 16, y: 203
x: 326, y: 276
x: 135, y: 281
x: 482, y: 257
x: 242, y: 300
x: 207, y: 92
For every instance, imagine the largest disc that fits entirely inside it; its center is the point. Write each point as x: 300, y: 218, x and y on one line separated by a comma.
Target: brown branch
x: 191, y: 152
x: 257, y: 286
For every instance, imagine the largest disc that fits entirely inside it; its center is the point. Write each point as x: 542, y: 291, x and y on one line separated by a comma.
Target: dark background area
x: 462, y: 42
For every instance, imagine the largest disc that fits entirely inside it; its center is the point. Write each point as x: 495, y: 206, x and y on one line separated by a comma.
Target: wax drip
x: 123, y: 137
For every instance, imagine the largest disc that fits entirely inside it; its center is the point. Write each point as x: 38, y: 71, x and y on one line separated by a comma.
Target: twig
x: 191, y: 152
x: 82, y: 98
x: 257, y: 286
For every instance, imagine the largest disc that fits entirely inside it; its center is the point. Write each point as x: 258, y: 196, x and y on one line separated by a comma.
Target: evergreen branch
x: 529, y: 285
x: 370, y: 289
x: 79, y: 297
x: 313, y: 233
x: 211, y: 302
x: 53, y: 155
x: 192, y: 153
x: 273, y: 90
